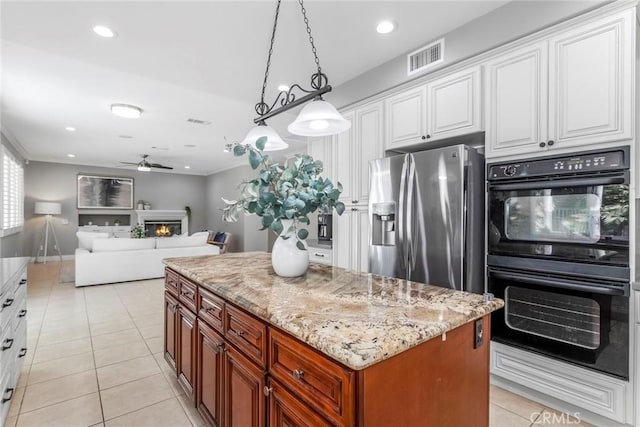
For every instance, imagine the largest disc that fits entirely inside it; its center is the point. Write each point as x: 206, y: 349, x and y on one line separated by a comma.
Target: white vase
x: 287, y: 260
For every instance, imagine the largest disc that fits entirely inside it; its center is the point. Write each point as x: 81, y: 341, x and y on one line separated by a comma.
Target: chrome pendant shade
x: 317, y: 118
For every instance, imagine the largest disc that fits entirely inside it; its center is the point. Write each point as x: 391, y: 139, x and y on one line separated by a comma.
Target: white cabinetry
x: 351, y: 239
x: 446, y: 107
x: 321, y: 149
x: 13, y: 328
x: 569, y: 91
x: 113, y: 230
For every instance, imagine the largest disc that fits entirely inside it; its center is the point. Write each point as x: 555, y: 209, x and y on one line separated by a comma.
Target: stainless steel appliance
x: 558, y: 253
x: 325, y: 227
x: 427, y: 217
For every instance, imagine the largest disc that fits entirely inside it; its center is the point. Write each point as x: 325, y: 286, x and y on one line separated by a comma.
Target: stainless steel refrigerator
x: 427, y: 217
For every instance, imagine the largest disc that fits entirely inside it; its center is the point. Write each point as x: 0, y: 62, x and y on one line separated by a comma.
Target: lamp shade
x: 319, y: 118
x: 274, y: 142
x: 48, y: 208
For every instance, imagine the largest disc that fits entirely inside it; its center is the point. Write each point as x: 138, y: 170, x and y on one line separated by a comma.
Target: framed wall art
x: 104, y: 192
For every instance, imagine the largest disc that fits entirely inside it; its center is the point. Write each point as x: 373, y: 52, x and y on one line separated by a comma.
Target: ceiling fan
x: 145, y: 166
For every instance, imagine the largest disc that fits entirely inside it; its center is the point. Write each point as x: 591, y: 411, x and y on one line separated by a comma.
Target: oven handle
x: 558, y: 283
x: 560, y: 183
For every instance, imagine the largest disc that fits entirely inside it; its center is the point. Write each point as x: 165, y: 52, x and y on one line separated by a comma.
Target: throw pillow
x: 85, y: 238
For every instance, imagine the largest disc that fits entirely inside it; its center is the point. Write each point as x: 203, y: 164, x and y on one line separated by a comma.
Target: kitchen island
x: 333, y: 347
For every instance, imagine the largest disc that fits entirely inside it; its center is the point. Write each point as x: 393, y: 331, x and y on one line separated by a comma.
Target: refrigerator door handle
x: 401, y: 219
x: 410, y: 212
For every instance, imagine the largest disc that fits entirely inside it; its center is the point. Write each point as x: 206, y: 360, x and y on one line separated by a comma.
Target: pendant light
x: 318, y: 118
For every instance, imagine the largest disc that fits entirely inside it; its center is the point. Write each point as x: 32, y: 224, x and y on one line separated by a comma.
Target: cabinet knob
x: 428, y: 136
x: 424, y: 137
x: 267, y: 390
x: 551, y: 142
x: 354, y: 202
x: 543, y: 144
x: 220, y: 347
x: 239, y: 333
x: 298, y: 374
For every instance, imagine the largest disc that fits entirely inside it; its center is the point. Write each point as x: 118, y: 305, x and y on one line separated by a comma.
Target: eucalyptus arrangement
x: 281, y: 193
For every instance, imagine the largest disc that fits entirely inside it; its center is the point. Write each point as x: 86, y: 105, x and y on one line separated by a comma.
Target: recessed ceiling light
x: 125, y: 136
x: 126, y: 110
x: 283, y: 88
x: 71, y: 155
x: 103, y: 31
x: 190, y: 146
x: 187, y: 167
x: 70, y: 129
x: 385, y: 27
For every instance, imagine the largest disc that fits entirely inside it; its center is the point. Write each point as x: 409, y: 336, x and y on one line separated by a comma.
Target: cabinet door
x: 170, y: 329
x: 321, y: 149
x: 406, y: 118
x: 285, y: 410
x: 590, y: 82
x: 243, y: 390
x: 210, y: 351
x: 368, y: 147
x: 351, y: 239
x: 454, y: 105
x: 516, y: 101
x: 363, y: 230
x: 342, y: 161
x: 186, y: 350
x: 342, y: 242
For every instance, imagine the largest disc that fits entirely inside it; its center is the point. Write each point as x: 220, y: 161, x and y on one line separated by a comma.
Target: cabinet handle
x: 298, y: 374
x: 354, y: 201
x: 220, y: 348
x: 209, y: 310
x: 317, y: 254
x: 23, y: 352
x: 542, y: 144
x: 22, y: 313
x: 551, y: 142
x: 23, y: 282
x: 428, y: 136
x: 7, y: 303
x: 7, y: 344
x: 187, y: 294
x: 424, y: 137
x: 6, y: 399
x: 354, y: 209
x: 239, y: 333
x: 267, y: 390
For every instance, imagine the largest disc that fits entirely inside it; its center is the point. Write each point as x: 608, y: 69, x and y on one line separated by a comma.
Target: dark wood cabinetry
x: 209, y: 374
x: 285, y: 410
x: 186, y: 350
x: 244, y: 384
x: 170, y: 328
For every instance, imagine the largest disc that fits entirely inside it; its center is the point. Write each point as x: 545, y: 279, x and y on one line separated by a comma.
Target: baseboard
x: 52, y: 258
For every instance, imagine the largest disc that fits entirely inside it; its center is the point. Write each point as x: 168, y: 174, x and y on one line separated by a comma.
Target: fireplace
x: 156, y: 228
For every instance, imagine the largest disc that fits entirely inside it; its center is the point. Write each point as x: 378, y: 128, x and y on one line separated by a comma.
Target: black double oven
x: 558, y: 254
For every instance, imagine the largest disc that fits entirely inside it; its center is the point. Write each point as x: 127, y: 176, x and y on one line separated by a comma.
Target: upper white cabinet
x: 354, y: 149
x: 351, y: 239
x: 446, y: 107
x: 570, y: 91
x: 320, y: 148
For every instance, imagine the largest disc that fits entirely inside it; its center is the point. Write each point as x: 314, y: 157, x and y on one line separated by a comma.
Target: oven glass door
x: 590, y: 329
x: 560, y: 220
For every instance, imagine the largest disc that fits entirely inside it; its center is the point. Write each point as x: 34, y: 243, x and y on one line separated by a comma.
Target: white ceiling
x: 180, y: 60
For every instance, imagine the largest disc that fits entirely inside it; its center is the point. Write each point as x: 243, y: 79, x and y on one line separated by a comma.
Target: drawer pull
x: 6, y: 399
x: 317, y: 254
x: 7, y: 344
x: 298, y: 374
x: 173, y: 307
x: 7, y: 303
x: 22, y: 313
x: 23, y: 282
x: 23, y: 352
x: 267, y: 390
x: 187, y: 294
x: 239, y: 333
x: 209, y: 310
x: 220, y: 348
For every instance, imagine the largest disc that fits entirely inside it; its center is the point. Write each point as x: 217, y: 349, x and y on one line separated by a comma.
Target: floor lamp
x: 48, y: 209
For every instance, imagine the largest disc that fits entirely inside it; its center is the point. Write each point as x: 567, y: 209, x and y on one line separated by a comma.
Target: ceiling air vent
x: 425, y: 57
x: 199, y: 122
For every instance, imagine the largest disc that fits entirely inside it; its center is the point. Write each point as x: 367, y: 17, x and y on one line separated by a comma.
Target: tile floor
x: 95, y: 359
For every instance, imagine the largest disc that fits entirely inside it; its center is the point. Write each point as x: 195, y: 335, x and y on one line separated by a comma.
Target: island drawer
x: 320, y: 255
x: 247, y: 333
x: 171, y: 281
x: 188, y: 293
x: 322, y: 383
x: 211, y: 309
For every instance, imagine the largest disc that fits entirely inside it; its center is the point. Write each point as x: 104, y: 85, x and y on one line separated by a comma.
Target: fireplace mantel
x: 162, y: 215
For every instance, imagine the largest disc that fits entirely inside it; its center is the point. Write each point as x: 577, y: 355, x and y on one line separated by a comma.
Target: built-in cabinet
x: 571, y: 90
x: 351, y: 239
x: 443, y: 108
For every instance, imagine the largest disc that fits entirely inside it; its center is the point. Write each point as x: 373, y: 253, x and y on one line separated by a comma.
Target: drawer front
x: 20, y: 315
x: 7, y: 310
x: 211, y: 309
x: 637, y: 307
x: 247, y: 333
x: 287, y: 410
x: 7, y: 346
x: 320, y: 255
x: 188, y: 293
x: 319, y: 381
x: 171, y: 281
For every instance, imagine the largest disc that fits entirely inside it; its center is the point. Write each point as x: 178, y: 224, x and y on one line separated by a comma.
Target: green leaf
x: 303, y: 234
x: 340, y: 208
x: 254, y: 159
x: 267, y: 220
x: 276, y: 226
x: 261, y: 142
x: 239, y: 150
x: 300, y: 246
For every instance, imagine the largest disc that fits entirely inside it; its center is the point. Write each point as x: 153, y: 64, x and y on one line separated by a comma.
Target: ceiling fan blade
x: 129, y: 163
x: 159, y: 166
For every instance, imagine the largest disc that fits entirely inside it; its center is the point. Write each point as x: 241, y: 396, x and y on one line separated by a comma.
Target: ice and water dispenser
x: 384, y: 224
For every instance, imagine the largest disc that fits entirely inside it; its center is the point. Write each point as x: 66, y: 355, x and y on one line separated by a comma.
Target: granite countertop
x: 358, y: 319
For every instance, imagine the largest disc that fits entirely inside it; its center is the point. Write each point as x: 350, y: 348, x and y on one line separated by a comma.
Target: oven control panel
x: 574, y: 164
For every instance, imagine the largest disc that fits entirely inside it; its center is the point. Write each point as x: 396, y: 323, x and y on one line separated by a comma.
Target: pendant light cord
x: 262, y: 107
x: 313, y: 46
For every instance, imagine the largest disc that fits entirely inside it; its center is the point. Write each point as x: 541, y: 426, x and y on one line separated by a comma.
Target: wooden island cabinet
x: 240, y: 369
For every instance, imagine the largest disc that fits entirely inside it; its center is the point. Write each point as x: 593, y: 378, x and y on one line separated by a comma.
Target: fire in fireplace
x: 163, y: 228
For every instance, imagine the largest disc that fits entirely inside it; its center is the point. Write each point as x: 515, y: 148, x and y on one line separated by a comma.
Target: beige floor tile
x: 135, y: 395
x: 164, y: 365
x: 552, y: 418
x: 55, y: 391
x: 190, y: 410
x: 44, y: 353
x: 59, y: 336
x: 168, y: 413
x: 514, y: 403
x: 127, y: 371
x: 60, y: 367
x: 81, y: 412
x: 156, y: 344
x: 16, y: 402
x: 11, y: 421
x: 111, y: 326
x: 128, y: 336
x: 172, y: 380
x: 120, y: 353
x: 152, y: 331
x: 500, y: 417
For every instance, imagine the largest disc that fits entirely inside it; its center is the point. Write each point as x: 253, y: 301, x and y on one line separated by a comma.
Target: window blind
x: 12, y: 193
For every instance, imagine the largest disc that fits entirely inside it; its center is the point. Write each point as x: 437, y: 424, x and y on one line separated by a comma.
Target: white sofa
x: 101, y: 259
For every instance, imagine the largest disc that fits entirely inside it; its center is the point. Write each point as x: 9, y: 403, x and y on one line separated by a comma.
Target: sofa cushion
x: 124, y: 244
x: 85, y: 238
x: 197, y: 239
